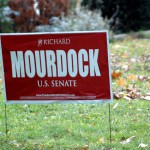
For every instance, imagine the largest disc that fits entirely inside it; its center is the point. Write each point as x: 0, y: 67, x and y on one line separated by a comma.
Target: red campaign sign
x: 56, y: 67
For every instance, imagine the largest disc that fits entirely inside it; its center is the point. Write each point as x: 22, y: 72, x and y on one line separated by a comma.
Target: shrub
x: 126, y: 15
x: 83, y: 20
x: 5, y: 21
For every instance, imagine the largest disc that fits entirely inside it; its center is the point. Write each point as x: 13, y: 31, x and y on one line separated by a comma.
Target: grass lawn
x: 86, y: 126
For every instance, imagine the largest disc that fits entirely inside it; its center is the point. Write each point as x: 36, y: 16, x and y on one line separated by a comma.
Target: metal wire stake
x: 6, y: 129
x: 110, y: 124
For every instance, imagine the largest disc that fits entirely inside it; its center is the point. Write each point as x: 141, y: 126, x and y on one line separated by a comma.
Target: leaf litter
x: 130, y: 71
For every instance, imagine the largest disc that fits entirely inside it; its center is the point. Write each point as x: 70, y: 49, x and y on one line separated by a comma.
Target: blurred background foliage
x: 125, y: 15
x: 5, y: 22
x: 119, y: 16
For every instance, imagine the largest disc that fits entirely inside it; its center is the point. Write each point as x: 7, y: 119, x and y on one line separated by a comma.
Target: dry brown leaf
x: 132, y: 77
x: 116, y: 96
x: 122, y: 94
x: 94, y: 124
x: 119, y: 95
x: 87, y: 117
x: 130, y: 87
x: 116, y: 74
x: 86, y: 147
x: 116, y: 46
x: 134, y: 94
x: 101, y: 140
x: 143, y: 78
x: 68, y: 130
x: 121, y: 82
x: 40, y: 147
x: 125, y: 55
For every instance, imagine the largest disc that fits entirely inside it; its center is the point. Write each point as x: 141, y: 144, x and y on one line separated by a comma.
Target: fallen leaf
x: 125, y: 54
x: 148, y: 94
x: 87, y: 117
x: 25, y: 106
x: 116, y: 46
x: 122, y: 94
x: 101, y: 140
x: 94, y: 124
x: 15, y: 143
x: 40, y: 147
x: 133, y: 60
x: 68, y: 130
x: 127, y: 98
x: 130, y: 87
x: 125, y: 67
x: 134, y: 94
x: 143, y: 145
x: 127, y: 140
x: 132, y: 77
x: 121, y: 82
x: 143, y: 78
x: 147, y: 98
x: 86, y: 147
x: 116, y: 96
x: 115, y: 106
x: 116, y: 74
x: 119, y: 95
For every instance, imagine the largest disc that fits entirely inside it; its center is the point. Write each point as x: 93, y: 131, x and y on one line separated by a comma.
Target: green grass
x: 86, y: 126
x: 74, y: 126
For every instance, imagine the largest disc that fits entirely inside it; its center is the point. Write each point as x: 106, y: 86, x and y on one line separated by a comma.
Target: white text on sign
x: 55, y: 64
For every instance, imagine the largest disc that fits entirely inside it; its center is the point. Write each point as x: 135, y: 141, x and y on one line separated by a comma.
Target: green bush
x: 5, y: 22
x: 126, y: 15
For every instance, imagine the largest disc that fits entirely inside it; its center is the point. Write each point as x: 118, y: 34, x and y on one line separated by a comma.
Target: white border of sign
x: 58, y: 101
